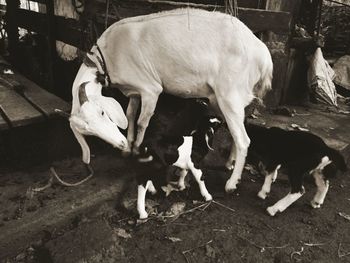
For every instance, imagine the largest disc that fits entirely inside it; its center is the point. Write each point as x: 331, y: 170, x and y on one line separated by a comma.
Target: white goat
x: 187, y: 53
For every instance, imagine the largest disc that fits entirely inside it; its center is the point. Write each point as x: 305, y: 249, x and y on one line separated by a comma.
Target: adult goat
x: 186, y: 53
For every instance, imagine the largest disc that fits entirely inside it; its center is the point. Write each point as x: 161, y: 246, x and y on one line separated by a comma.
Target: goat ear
x: 77, y: 123
x: 83, y: 144
x: 114, y: 111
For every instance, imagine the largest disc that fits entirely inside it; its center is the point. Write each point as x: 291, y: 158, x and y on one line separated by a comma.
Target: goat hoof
x: 262, y: 195
x: 208, y: 198
x: 315, y: 204
x: 230, y: 187
x: 230, y: 190
x: 126, y: 153
x: 135, y: 151
x: 143, y: 215
x: 153, y: 192
x: 182, y: 187
x: 271, y: 211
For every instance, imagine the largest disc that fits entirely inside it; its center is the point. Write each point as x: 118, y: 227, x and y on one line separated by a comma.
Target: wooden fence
x: 259, y: 15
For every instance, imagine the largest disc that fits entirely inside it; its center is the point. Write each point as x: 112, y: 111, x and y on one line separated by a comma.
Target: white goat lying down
x: 298, y: 153
x: 184, y: 152
x: 183, y: 52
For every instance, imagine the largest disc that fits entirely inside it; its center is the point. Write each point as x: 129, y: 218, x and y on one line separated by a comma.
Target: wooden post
x: 51, y: 54
x: 12, y: 27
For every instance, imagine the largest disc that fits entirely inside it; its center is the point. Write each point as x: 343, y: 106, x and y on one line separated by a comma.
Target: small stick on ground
x: 262, y: 248
x: 340, y: 254
x: 313, y: 244
x: 268, y: 226
x: 205, y: 205
x: 191, y: 249
x: 224, y: 206
x: 296, y: 253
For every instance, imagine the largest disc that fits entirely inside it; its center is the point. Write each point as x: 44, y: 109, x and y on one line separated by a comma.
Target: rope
x: 104, y: 66
x: 88, y: 167
x: 55, y: 175
x: 106, y: 15
x: 231, y: 7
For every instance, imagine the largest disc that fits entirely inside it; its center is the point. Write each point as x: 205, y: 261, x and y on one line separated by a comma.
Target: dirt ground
x: 97, y: 221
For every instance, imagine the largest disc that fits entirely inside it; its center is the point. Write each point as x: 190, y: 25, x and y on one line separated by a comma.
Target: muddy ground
x: 97, y: 221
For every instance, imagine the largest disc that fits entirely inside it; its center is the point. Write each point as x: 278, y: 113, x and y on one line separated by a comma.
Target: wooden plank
x: 44, y: 101
x: 16, y: 108
x: 263, y: 20
x: 3, y: 122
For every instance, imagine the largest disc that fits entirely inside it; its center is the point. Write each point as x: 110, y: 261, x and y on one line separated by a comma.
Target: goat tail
x: 265, y: 82
x: 338, y: 159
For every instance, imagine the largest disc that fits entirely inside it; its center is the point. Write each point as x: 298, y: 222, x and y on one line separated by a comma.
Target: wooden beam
x: 66, y: 29
x: 263, y: 20
x: 11, y: 26
x: 44, y: 101
x: 257, y: 20
x: 32, y: 21
x: 51, y: 41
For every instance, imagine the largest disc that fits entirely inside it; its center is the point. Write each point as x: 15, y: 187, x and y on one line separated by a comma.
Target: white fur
x: 141, y: 198
x: 184, y: 151
x: 181, y: 182
x: 185, y: 163
x: 269, y: 179
x: 282, y: 204
x: 99, y: 116
x: 217, y: 57
x: 321, y: 183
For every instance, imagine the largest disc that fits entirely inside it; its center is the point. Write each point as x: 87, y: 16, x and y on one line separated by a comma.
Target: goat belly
x: 184, y: 152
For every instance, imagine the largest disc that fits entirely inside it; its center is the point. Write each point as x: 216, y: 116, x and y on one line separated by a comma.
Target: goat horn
x: 82, y: 93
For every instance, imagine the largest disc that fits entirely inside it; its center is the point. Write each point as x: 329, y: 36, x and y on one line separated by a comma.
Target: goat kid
x: 298, y: 153
x: 187, y: 53
x: 184, y: 152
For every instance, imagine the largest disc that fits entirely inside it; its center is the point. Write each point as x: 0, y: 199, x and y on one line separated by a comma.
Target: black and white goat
x: 184, y: 152
x: 298, y: 153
